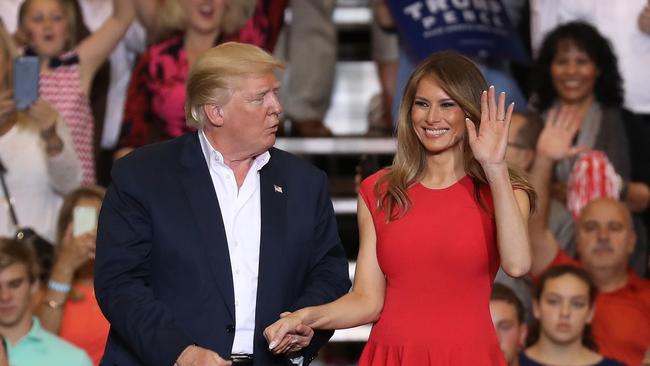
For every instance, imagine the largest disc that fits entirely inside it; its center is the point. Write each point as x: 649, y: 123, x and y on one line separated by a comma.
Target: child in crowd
x: 564, y: 307
x: 68, y: 68
x: 38, y: 163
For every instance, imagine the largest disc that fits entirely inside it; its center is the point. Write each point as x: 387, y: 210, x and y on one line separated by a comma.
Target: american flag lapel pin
x: 277, y: 188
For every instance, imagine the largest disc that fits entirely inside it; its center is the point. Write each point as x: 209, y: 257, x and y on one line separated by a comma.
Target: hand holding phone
x: 84, y: 219
x: 26, y: 78
x: 43, y: 114
x: 7, y: 105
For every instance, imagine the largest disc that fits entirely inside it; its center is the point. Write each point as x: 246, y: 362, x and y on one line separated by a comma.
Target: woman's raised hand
x: 490, y: 142
x: 75, y: 251
x: 560, y: 128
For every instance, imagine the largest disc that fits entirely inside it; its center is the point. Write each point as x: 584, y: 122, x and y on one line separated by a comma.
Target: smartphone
x: 84, y: 219
x: 26, y: 78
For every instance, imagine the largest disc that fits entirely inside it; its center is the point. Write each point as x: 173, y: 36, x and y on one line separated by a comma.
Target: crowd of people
x: 150, y: 221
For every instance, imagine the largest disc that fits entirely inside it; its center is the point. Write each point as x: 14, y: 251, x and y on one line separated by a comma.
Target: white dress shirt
x: 617, y: 21
x: 241, y: 214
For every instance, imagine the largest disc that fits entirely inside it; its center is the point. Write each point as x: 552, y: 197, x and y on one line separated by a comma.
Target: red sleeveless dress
x: 439, y: 260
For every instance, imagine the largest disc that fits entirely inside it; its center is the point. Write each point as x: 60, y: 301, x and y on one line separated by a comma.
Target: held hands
x: 556, y: 139
x: 490, y: 143
x: 197, y: 356
x: 285, y: 336
x: 288, y: 334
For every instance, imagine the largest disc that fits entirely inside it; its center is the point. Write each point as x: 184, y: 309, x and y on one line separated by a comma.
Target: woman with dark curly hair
x: 576, y: 67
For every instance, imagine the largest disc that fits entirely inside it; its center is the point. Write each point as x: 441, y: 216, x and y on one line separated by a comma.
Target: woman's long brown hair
x: 459, y: 77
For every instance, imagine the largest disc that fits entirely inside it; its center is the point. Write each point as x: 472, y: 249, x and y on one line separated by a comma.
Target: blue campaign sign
x: 472, y: 27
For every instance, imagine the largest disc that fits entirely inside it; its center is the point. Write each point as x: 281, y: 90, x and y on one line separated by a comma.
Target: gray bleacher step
x: 344, y: 205
x: 337, y: 145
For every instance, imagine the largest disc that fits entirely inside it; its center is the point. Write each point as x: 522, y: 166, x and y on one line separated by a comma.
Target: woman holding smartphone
x: 68, y: 65
x: 69, y: 308
x: 38, y: 161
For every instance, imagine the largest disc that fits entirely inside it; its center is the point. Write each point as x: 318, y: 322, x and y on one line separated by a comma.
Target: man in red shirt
x: 605, y: 239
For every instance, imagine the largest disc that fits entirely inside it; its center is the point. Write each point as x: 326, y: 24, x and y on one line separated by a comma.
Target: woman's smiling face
x: 573, y: 72
x: 438, y: 120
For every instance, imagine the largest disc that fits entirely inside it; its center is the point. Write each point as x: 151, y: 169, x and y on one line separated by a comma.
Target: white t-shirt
x: 35, y: 182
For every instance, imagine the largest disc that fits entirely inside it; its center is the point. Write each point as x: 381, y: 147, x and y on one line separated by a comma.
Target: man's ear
x: 213, y: 114
x: 632, y: 240
x: 590, y: 315
x: 523, y: 333
x: 536, y: 312
x: 528, y: 157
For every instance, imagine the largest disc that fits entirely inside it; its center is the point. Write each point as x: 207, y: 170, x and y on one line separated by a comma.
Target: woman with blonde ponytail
x: 434, y: 228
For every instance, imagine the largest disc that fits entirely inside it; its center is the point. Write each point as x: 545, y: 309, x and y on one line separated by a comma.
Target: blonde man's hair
x: 171, y: 17
x: 214, y: 76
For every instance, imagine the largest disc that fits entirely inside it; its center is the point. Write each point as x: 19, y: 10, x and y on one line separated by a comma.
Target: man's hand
x: 197, y: 356
x: 295, y: 341
x: 288, y: 334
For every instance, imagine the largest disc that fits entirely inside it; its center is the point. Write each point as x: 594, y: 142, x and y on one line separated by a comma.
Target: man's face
x: 510, y: 332
x: 252, y: 115
x: 605, y: 237
x: 518, y: 155
x: 16, y: 292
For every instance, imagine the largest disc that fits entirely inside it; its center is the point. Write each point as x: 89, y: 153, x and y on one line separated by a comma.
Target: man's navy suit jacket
x: 163, y: 277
